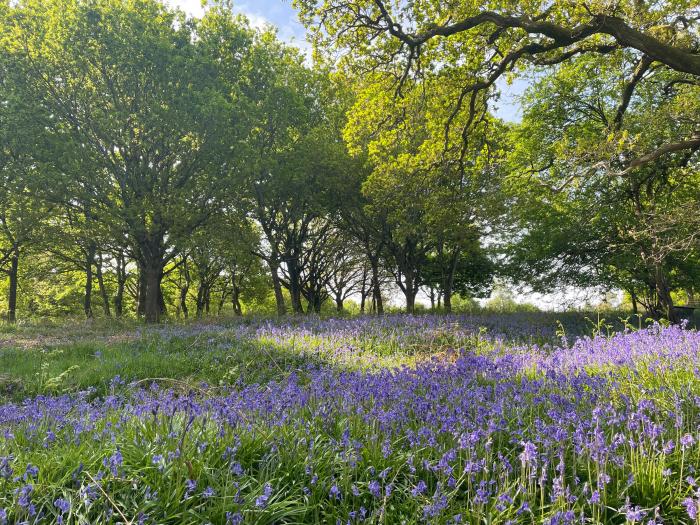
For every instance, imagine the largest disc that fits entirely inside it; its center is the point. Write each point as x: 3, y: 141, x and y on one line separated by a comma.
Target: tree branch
x: 693, y: 144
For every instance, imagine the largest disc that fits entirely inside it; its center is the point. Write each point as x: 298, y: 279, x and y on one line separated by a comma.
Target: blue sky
x: 282, y: 15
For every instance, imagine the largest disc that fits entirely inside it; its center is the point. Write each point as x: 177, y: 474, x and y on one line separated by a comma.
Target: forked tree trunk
x: 277, y: 287
x: 235, y: 300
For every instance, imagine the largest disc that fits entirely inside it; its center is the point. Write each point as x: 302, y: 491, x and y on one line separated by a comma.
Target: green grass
x: 183, y: 357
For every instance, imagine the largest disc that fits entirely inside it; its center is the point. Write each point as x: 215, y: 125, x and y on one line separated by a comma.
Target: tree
x: 432, y: 198
x: 21, y: 173
x: 590, y: 215
x: 469, y: 273
x: 476, y: 45
x: 348, y: 271
x: 295, y: 164
x: 136, y: 86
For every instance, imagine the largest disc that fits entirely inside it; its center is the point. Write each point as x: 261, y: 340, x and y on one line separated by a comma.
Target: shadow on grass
x: 184, y: 361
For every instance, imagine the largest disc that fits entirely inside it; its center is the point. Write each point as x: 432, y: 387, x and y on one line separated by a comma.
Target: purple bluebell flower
x: 262, y: 500
x: 691, y: 507
x: 234, y: 518
x: 420, y: 488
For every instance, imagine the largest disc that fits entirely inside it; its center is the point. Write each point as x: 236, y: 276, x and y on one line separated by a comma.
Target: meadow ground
x: 512, y: 418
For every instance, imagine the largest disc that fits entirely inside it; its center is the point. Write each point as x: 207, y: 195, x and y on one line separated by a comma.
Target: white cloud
x: 191, y: 7
x: 277, y: 13
x: 256, y: 21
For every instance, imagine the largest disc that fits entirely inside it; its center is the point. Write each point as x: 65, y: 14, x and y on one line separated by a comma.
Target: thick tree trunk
x: 12, y: 292
x: 154, y: 302
x: 447, y: 301
x: 409, y: 290
x: 339, y: 303
x: 410, y: 299
x: 317, y: 302
x: 663, y: 293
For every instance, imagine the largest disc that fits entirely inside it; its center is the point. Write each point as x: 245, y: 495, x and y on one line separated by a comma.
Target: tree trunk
x: 410, y: 295
x: 162, y: 308
x: 409, y: 290
x: 235, y: 300
x: 339, y: 303
x: 141, y: 291
x: 12, y: 292
x: 363, y: 290
x: 294, y: 286
x: 447, y: 301
x: 448, y: 284
x: 201, y: 294
x: 183, y: 299
x: 277, y: 286
x: 121, y: 283
x: 633, y: 298
x: 663, y: 293
x: 101, y: 285
x: 87, y: 300
x: 154, y: 302
x: 376, y: 287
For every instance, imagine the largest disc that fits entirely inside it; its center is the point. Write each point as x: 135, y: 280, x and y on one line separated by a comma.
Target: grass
x: 284, y: 414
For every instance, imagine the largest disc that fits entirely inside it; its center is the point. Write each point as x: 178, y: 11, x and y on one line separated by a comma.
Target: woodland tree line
x: 153, y: 164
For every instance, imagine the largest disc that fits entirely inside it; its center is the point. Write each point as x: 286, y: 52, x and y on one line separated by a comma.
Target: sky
x: 282, y: 15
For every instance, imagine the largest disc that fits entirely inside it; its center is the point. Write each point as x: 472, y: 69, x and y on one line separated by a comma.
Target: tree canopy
x: 154, y: 164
